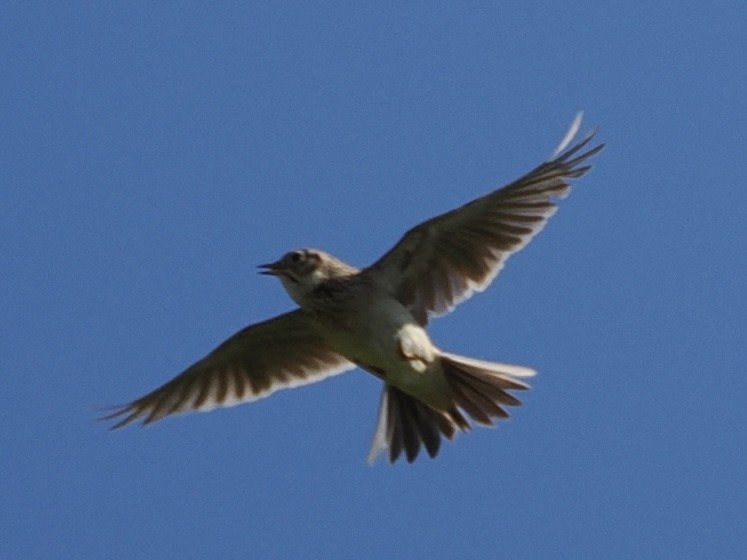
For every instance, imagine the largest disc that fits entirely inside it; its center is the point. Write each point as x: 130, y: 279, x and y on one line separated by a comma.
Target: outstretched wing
x: 254, y: 363
x: 443, y: 261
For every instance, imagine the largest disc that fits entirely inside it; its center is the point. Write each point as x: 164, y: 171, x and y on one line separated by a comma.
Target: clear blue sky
x: 152, y: 155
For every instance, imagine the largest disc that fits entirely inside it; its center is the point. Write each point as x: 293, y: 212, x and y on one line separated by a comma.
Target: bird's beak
x: 271, y: 269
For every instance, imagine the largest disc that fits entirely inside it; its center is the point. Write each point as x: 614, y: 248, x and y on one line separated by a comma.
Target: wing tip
x: 129, y: 414
x: 564, y: 149
x: 569, y: 135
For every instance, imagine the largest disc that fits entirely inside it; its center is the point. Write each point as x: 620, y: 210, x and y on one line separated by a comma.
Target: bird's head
x: 302, y: 270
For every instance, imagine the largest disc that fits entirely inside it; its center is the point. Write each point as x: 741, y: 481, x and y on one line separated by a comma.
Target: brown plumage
x: 375, y: 318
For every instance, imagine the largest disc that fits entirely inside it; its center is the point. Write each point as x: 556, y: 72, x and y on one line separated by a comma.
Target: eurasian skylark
x: 375, y: 319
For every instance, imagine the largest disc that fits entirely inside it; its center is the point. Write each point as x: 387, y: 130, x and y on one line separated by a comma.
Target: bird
x: 375, y: 318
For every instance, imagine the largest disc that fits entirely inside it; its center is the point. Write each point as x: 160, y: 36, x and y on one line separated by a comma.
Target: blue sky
x: 152, y: 156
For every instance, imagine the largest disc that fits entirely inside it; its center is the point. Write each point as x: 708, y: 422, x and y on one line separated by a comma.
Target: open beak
x: 271, y: 269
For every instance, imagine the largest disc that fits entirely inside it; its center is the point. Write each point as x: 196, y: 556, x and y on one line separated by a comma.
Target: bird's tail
x: 480, y: 391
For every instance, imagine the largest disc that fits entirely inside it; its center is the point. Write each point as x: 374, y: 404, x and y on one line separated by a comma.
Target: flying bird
x: 375, y: 318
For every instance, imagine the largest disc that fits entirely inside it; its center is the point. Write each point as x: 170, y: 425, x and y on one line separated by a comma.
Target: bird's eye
x: 296, y: 257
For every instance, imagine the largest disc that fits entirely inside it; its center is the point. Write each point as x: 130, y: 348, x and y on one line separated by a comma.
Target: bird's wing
x: 255, y: 362
x: 443, y: 261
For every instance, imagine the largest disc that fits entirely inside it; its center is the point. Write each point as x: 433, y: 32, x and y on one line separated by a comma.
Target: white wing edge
x: 570, y: 135
x: 280, y: 384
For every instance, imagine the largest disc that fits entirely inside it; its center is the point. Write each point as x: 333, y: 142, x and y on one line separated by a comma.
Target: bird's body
x: 376, y: 332
x: 376, y: 318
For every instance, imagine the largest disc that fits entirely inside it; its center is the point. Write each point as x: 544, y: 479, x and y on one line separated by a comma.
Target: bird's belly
x: 387, y: 341
x: 370, y: 340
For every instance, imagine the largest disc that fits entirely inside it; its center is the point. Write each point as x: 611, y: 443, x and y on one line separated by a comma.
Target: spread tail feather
x: 479, y: 391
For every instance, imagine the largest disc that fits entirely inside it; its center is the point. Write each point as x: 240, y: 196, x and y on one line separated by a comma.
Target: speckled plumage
x: 375, y: 318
